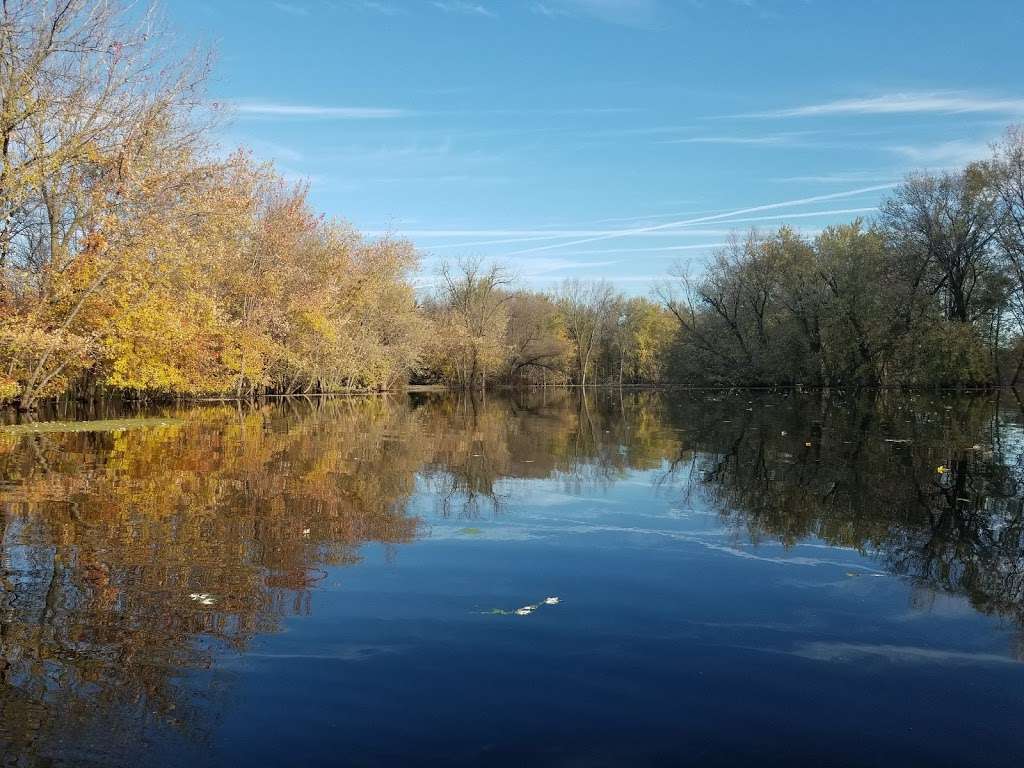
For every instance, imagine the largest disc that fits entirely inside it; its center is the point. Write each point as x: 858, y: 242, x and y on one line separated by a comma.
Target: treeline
x: 929, y: 293
x: 486, y: 331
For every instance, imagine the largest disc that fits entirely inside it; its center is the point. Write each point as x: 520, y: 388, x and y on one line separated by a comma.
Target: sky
x: 609, y: 139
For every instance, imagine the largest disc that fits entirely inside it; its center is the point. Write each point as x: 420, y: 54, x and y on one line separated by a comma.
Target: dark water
x: 741, y: 579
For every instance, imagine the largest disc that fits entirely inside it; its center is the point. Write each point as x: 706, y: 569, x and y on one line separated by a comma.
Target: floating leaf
x: 526, y: 610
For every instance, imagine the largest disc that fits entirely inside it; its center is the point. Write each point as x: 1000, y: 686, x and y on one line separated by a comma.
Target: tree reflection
x: 128, y: 557
x: 482, y: 445
x: 931, y: 486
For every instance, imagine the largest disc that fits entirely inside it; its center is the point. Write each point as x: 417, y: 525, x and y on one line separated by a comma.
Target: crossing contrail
x: 558, y: 235
x: 703, y: 219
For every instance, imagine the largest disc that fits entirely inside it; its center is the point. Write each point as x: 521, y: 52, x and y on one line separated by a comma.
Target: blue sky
x: 607, y: 138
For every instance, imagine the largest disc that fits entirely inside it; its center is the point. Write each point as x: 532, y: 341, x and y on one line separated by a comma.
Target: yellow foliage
x: 9, y: 389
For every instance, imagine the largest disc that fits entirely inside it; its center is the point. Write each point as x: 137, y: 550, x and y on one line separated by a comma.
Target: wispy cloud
x: 273, y: 150
x: 559, y: 111
x: 650, y: 217
x: 374, y: 6
x: 451, y: 178
x: 650, y: 280
x: 641, y: 131
x: 271, y: 109
x: 543, y: 266
x: 666, y: 249
x: 958, y: 152
x: 529, y: 268
x: 296, y: 176
x: 758, y: 8
x: 913, y: 102
x: 841, y: 177
x: 551, y: 11
x: 777, y: 139
x: 629, y: 13
x: 463, y: 7
x: 291, y: 9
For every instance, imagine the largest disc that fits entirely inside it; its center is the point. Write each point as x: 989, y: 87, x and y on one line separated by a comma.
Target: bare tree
x: 587, y: 308
x: 1007, y: 168
x: 947, y: 224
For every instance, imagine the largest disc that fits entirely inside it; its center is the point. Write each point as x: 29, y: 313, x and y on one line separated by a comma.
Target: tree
x: 95, y: 120
x: 587, y: 312
x: 1007, y: 173
x: 471, y: 311
x: 535, y: 336
x: 642, y: 337
x: 731, y: 314
x: 945, y: 227
x: 863, y: 308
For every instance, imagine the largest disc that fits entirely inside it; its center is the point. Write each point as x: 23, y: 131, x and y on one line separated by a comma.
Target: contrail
x: 562, y: 234
x: 492, y: 242
x: 533, y: 239
x: 702, y: 219
x: 808, y: 215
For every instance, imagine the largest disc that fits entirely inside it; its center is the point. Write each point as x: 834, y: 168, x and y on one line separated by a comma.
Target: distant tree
x: 588, y: 314
x: 862, y: 307
x: 638, y: 344
x: 471, y: 310
x: 536, y: 339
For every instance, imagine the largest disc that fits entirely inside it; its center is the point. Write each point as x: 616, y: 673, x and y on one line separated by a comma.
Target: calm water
x: 740, y: 579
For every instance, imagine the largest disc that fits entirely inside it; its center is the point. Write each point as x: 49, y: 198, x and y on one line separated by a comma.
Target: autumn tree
x: 535, y: 338
x: 96, y: 129
x: 637, y: 347
x: 471, y: 318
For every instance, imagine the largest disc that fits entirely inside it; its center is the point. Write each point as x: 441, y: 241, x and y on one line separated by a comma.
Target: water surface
x: 740, y: 579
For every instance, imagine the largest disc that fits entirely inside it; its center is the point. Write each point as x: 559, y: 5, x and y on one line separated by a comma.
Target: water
x: 779, y: 580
